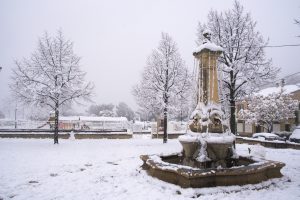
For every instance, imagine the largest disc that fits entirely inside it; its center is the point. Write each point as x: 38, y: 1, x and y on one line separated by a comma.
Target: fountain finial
x: 207, y: 36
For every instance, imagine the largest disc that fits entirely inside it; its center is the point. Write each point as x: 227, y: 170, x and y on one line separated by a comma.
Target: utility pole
x: 16, y: 116
x: 16, y: 124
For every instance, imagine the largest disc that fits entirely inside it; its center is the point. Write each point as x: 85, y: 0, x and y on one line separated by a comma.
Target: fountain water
x: 208, y: 157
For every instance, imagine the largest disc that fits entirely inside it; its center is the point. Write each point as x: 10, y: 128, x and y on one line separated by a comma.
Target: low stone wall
x: 62, y: 135
x: 170, y: 135
x: 33, y: 135
x: 103, y: 136
x: 269, y: 144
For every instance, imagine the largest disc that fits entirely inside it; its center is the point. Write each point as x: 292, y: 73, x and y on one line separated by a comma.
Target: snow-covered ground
x: 110, y: 169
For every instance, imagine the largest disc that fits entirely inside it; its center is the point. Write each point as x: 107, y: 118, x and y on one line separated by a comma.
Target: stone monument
x: 208, y: 114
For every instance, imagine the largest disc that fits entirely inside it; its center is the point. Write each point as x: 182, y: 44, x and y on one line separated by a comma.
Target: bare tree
x: 163, y: 79
x: 243, y: 63
x: 51, y: 76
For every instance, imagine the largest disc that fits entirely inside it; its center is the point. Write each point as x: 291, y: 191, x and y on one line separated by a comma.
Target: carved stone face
x: 215, y: 119
x: 207, y: 35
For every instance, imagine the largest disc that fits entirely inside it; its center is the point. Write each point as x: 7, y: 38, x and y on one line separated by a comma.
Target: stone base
x: 184, y: 176
x: 189, y: 148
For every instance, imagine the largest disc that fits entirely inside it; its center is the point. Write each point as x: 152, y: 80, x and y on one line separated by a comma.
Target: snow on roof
x: 87, y: 118
x: 296, y: 133
x: 209, y: 46
x: 287, y: 89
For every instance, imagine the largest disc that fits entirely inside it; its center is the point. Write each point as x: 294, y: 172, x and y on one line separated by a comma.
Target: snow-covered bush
x: 264, y: 110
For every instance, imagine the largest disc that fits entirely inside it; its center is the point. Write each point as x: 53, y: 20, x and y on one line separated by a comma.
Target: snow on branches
x: 165, y: 77
x: 264, y: 110
x: 51, y: 76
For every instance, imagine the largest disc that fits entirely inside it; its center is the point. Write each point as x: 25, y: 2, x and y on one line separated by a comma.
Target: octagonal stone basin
x: 246, y: 171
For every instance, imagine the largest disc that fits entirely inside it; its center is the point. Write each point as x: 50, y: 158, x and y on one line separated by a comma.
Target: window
x: 240, y: 127
x: 248, y: 128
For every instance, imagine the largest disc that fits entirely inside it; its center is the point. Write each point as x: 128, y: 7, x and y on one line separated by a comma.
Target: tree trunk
x: 165, y: 138
x: 232, y: 117
x: 181, y: 116
x: 270, y: 127
x: 232, y: 106
x: 56, y: 125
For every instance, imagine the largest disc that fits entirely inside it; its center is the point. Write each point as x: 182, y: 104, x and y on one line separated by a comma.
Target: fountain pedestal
x: 207, y: 126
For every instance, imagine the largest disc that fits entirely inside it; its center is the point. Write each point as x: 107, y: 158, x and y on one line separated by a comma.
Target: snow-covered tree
x: 51, y: 76
x: 68, y: 110
x: 147, y: 101
x: 93, y: 110
x: 145, y: 115
x: 123, y: 110
x: 264, y: 110
x: 38, y: 113
x: 164, y: 78
x: 103, y: 110
x: 243, y: 63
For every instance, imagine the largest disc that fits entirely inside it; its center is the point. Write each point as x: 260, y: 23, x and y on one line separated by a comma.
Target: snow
x: 287, y: 89
x: 265, y: 135
x: 188, y: 138
x: 110, y: 169
x: 219, y: 138
x: 257, y: 151
x: 208, y: 46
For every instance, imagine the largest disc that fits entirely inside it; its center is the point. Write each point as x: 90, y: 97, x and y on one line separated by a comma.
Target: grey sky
x: 114, y: 37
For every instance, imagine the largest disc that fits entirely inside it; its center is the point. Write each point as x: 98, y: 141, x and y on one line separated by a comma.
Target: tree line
x: 110, y: 110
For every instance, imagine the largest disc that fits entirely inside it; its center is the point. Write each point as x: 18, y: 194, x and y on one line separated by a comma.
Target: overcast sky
x: 114, y: 37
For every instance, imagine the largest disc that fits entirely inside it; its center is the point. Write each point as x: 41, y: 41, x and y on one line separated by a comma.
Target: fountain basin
x: 247, y: 171
x: 217, y: 147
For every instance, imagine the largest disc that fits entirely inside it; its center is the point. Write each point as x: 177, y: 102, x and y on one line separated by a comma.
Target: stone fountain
x: 208, y: 157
